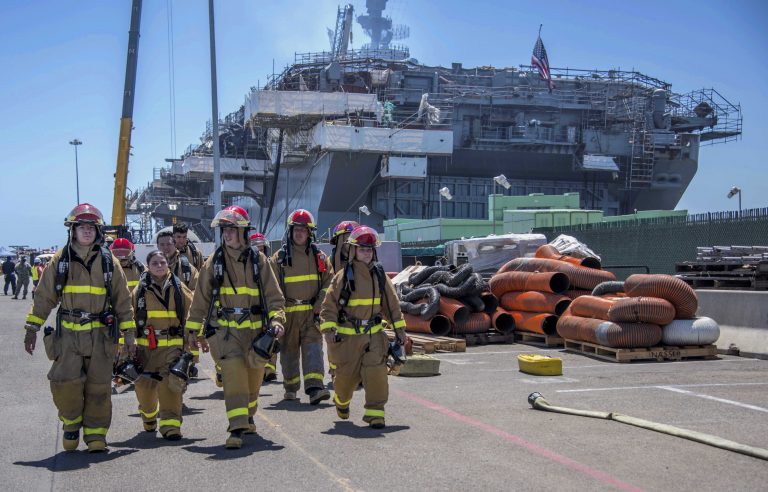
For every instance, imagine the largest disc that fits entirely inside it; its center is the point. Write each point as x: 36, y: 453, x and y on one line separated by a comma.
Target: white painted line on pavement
x: 657, y: 386
x: 714, y: 398
x: 344, y: 483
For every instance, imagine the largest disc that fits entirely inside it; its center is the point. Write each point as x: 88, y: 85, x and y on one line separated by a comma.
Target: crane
x: 126, y: 123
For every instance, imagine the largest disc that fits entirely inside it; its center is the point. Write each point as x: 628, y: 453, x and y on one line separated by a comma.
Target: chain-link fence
x: 660, y: 243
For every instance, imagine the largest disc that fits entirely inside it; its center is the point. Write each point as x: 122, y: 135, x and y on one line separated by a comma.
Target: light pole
x: 498, y: 180
x: 736, y: 191
x: 75, y: 143
x: 363, y: 209
x: 444, y: 193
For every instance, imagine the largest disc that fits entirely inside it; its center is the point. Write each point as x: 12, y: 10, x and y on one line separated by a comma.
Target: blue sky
x: 64, y: 67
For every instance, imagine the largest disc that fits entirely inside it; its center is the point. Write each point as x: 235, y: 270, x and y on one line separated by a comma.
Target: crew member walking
x: 358, y: 300
x: 9, y: 275
x: 305, y: 273
x: 23, y: 274
x: 160, y: 304
x: 94, y: 304
x: 237, y: 298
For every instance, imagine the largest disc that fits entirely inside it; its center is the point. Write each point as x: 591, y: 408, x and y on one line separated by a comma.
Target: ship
x: 372, y: 131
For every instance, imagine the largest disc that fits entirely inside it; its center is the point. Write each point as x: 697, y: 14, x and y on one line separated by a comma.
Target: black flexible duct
x: 419, y: 277
x: 474, y: 302
x: 609, y: 287
x: 424, y: 311
x: 471, y: 286
x: 460, y: 275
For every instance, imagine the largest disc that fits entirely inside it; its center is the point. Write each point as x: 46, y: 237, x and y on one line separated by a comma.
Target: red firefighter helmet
x: 301, y: 217
x: 257, y: 239
x: 364, y: 236
x: 122, y: 248
x: 232, y: 216
x: 343, y: 228
x: 84, y: 213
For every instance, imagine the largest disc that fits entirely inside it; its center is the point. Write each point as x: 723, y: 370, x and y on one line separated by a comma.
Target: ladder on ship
x: 642, y: 157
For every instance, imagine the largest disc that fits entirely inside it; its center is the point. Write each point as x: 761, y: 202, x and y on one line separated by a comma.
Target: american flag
x: 540, y: 61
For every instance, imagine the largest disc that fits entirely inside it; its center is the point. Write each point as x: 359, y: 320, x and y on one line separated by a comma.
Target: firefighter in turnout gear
x: 339, y: 241
x: 304, y: 273
x: 180, y: 266
x: 259, y: 241
x: 89, y: 286
x: 360, y: 298
x: 340, y: 254
x: 160, y: 304
x: 237, y: 298
x: 185, y: 246
x: 123, y: 250
x: 178, y: 263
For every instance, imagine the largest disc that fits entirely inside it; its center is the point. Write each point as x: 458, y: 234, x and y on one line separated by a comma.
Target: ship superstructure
x: 343, y: 128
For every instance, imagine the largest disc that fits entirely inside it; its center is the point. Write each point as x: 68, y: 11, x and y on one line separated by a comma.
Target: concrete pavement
x: 470, y: 428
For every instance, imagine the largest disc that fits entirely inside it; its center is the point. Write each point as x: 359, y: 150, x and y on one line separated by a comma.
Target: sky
x: 64, y: 68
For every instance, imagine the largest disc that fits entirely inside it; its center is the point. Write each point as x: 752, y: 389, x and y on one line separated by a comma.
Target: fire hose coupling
x: 536, y: 398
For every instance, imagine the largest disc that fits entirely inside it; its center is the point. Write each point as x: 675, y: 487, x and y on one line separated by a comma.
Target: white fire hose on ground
x: 538, y: 402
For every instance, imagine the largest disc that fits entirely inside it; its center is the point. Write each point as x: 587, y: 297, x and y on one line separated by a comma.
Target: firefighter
x: 89, y: 286
x: 259, y: 241
x: 177, y: 262
x: 124, y: 250
x: 358, y: 300
x: 160, y: 304
x: 340, y: 255
x: 339, y: 241
x: 180, y: 266
x: 185, y: 246
x: 304, y: 273
x: 237, y: 297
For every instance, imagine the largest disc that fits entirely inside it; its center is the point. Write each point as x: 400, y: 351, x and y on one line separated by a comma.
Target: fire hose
x: 538, y: 402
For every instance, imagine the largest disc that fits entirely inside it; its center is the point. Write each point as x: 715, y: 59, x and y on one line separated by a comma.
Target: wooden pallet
x: 723, y: 282
x: 628, y: 355
x: 429, y: 344
x: 538, y: 339
x: 473, y: 339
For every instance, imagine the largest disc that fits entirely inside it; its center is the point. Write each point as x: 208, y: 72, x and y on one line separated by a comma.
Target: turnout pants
x: 362, y: 358
x: 271, y: 367
x: 158, y: 391
x: 242, y: 372
x: 80, y: 379
x: 302, y: 340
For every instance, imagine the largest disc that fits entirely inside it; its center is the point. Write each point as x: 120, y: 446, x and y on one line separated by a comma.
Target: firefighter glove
x: 30, y: 339
x: 278, y: 329
x: 203, y: 343
x: 192, y: 340
x: 129, y: 338
x: 400, y: 336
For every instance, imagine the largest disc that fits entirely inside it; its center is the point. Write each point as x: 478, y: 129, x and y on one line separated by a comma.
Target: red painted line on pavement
x: 519, y: 441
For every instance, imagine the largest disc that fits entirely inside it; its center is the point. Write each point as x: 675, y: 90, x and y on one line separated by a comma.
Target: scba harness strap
x: 284, y: 258
x: 219, y: 270
x: 108, y: 269
x: 348, y: 286
x: 141, y: 303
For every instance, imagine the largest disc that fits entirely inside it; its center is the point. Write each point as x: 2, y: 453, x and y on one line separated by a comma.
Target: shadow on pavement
x: 151, y: 440
x: 79, y: 460
x: 216, y: 395
x: 251, y: 444
x: 351, y: 430
x: 297, y: 406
